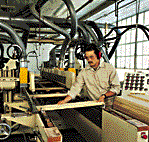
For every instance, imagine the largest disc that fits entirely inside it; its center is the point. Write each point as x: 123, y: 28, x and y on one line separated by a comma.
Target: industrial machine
x: 128, y: 120
x: 30, y: 101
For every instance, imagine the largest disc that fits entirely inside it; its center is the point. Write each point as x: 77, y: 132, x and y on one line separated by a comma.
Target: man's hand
x: 101, y: 99
x: 61, y: 102
x: 67, y: 99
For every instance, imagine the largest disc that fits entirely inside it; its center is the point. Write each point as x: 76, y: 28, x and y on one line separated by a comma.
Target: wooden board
x: 49, y: 95
x: 70, y: 105
x: 49, y: 89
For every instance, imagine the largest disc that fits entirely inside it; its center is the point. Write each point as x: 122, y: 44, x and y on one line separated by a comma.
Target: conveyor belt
x: 74, y: 120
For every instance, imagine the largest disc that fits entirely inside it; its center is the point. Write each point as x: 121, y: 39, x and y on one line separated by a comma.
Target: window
x: 126, y: 48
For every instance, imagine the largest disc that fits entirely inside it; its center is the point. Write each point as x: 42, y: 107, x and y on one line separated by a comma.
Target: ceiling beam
x: 55, y: 42
x: 99, y: 8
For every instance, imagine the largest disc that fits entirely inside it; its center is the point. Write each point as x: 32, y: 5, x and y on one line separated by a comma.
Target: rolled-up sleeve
x: 77, y: 85
x: 114, y: 82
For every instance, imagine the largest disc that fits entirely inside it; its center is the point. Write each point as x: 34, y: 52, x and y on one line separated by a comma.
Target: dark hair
x: 92, y: 46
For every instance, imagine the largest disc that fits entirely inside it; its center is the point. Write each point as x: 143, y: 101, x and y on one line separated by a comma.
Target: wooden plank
x: 26, y: 120
x: 45, y: 82
x: 40, y: 84
x: 70, y: 105
x: 49, y: 89
x: 49, y: 95
x: 139, y: 98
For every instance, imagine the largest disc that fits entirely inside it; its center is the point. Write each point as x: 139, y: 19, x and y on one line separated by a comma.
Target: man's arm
x: 67, y: 99
x: 75, y: 89
x: 108, y: 94
x: 114, y: 86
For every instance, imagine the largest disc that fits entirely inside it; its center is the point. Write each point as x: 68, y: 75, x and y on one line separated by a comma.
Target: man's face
x: 92, y: 59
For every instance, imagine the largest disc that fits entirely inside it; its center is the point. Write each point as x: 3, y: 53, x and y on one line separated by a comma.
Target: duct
x: 63, y: 50
x: 119, y: 34
x: 4, y: 37
x: 92, y: 34
x: 58, y: 29
x: 39, y: 4
x: 82, y: 29
x: 13, y: 35
x: 71, y: 57
x: 97, y: 30
x: 52, y: 56
x: 23, y: 26
x: 25, y: 37
x: 47, y: 22
x: 100, y: 39
x: 84, y: 5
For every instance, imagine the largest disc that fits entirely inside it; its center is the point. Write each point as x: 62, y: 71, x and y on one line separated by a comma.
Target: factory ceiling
x: 100, y: 11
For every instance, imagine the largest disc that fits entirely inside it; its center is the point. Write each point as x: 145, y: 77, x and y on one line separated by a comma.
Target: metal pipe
x: 52, y: 56
x: 83, y: 31
x: 13, y: 35
x: 60, y: 30
x: 119, y: 34
x: 48, y: 22
x: 71, y: 57
x: 97, y: 31
x: 24, y: 26
x: 92, y: 34
x: 7, y: 38
x: 80, y: 8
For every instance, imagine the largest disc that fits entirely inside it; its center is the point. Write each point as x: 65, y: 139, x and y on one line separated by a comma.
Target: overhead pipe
x: 52, y: 55
x: 100, y: 39
x: 24, y: 27
x: 143, y: 28
x: 13, y: 35
x: 92, y: 34
x: 58, y: 29
x: 82, y: 30
x: 97, y: 31
x: 7, y: 38
x: 84, y: 5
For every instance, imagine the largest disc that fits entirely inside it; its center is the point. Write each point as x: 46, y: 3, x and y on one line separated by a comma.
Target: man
x: 100, y: 78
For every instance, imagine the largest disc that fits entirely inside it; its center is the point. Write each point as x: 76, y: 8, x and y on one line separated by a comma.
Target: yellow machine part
x: 61, y: 69
x: 72, y: 70
x: 23, y: 75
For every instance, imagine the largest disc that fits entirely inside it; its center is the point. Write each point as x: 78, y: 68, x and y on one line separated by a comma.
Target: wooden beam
x: 70, y: 105
x: 49, y: 89
x: 49, y: 95
x: 45, y: 41
x: 40, y: 84
x: 45, y: 82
